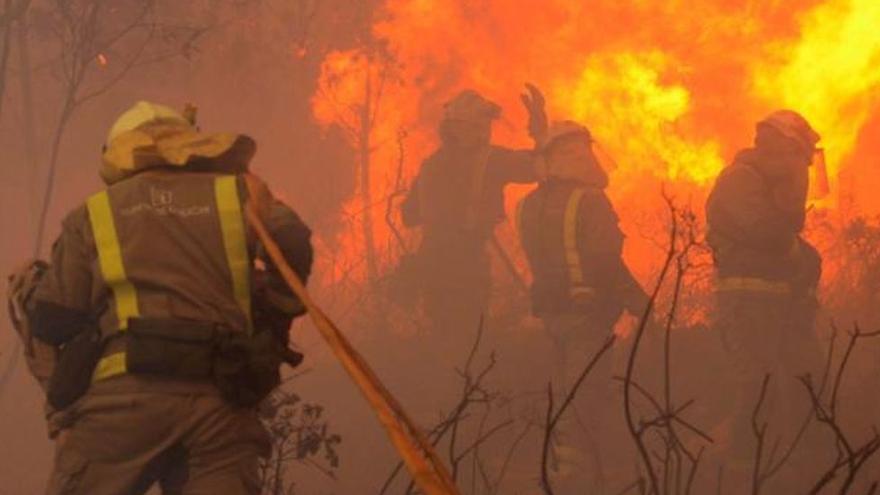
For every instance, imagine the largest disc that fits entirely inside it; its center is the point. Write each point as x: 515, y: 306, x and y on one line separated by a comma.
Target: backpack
x: 41, y: 358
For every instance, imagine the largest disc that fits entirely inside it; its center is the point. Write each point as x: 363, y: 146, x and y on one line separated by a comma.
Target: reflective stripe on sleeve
x: 570, y: 228
x: 110, y: 258
x: 235, y: 241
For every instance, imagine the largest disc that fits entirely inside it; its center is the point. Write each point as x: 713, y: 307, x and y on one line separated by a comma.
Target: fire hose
x: 423, y: 463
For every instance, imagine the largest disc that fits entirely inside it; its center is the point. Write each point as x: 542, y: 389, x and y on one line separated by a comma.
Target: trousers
x: 188, y: 444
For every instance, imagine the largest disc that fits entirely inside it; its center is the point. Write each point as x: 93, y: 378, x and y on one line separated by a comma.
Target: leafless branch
x: 760, y: 432
x: 850, y: 459
x: 473, y: 392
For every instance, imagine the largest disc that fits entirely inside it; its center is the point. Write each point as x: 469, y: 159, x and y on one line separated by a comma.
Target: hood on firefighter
x: 568, y: 154
x: 793, y: 126
x: 150, y: 135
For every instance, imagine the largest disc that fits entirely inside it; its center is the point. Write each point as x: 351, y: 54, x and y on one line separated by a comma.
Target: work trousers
x: 455, y: 284
x: 771, y: 334
x: 188, y: 444
x: 588, y: 448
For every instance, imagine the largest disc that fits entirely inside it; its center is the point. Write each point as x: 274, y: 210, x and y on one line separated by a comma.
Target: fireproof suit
x: 570, y: 234
x: 458, y: 199
x: 571, y: 237
x: 456, y: 228
x: 581, y: 286
x: 164, y: 257
x: 765, y: 290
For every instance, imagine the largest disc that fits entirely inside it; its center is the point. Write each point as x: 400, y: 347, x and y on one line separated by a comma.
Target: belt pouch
x: 176, y: 348
x: 246, y: 367
x: 73, y: 373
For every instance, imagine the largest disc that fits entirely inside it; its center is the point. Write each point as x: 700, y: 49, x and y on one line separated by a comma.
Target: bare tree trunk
x: 61, y: 126
x: 28, y: 120
x: 5, y: 42
x: 7, y: 18
x: 366, y: 131
x: 15, y: 351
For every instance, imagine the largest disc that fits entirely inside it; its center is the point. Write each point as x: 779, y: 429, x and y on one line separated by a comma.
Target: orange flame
x: 670, y: 89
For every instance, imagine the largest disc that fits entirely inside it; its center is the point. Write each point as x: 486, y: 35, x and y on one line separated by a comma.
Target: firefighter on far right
x: 766, y: 280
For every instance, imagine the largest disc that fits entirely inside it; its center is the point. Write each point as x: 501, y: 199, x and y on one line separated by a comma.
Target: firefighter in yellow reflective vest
x: 767, y: 273
x: 168, y: 335
x: 581, y: 286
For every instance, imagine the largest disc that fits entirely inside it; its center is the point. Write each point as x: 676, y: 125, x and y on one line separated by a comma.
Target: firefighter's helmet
x: 793, y: 126
x: 471, y: 106
x: 150, y: 135
x: 580, y: 164
x: 564, y: 128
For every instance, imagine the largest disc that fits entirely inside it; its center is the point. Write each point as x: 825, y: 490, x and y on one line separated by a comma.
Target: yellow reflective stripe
x: 235, y: 241
x: 109, y: 366
x: 110, y: 258
x: 570, y: 228
x: 752, y: 284
x: 583, y: 292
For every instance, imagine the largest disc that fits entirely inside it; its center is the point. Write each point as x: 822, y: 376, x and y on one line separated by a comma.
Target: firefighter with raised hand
x: 581, y: 286
x: 168, y: 335
x: 767, y: 273
x: 457, y: 199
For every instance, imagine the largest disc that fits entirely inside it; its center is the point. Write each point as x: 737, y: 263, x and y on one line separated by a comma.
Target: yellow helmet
x: 145, y: 113
x: 150, y: 135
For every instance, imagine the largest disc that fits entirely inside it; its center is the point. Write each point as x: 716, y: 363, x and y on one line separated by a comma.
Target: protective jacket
x: 755, y: 224
x: 573, y: 243
x: 458, y: 191
x: 164, y: 245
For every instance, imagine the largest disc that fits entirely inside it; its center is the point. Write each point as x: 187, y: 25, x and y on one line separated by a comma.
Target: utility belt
x: 755, y: 284
x: 245, y: 368
x: 581, y: 295
x: 752, y: 284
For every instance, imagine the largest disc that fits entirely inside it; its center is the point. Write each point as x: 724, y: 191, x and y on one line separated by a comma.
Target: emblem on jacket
x: 162, y: 203
x: 160, y: 197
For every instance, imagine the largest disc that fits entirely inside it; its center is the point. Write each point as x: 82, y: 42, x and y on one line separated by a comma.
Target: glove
x: 534, y: 103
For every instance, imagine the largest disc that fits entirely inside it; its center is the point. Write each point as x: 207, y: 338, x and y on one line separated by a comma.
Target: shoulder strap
x: 229, y: 211
x: 110, y: 258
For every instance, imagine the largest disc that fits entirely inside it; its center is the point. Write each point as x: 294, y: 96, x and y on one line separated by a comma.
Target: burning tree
x: 351, y: 96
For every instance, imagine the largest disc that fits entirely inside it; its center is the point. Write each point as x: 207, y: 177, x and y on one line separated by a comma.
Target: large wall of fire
x: 670, y: 89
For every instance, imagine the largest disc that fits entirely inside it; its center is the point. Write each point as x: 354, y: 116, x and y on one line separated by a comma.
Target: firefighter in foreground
x: 570, y: 234
x: 168, y: 336
x: 458, y: 199
x: 767, y: 275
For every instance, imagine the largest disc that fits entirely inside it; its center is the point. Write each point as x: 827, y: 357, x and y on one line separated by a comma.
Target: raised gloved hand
x: 534, y: 103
